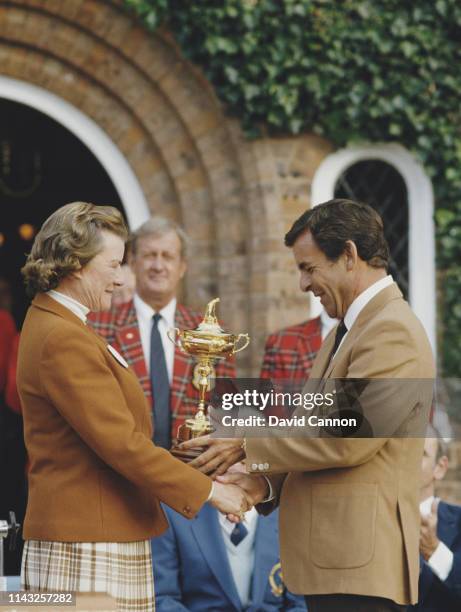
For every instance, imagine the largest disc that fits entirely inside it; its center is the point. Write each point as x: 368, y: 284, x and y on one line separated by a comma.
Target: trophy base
x: 189, y: 431
x: 186, y: 456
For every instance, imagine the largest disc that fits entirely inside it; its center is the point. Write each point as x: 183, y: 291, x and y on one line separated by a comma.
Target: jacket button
x: 261, y: 467
x: 254, y: 466
x: 266, y: 466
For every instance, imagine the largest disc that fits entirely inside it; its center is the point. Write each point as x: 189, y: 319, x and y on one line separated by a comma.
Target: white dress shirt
x: 144, y: 314
x: 77, y: 308
x: 241, y: 557
x: 441, y: 560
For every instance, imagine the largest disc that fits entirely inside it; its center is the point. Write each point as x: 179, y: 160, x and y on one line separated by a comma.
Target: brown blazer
x: 349, y: 508
x: 95, y: 474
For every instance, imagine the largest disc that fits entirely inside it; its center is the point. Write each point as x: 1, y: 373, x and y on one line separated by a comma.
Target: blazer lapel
x: 446, y: 524
x: 316, y: 336
x: 207, y: 532
x: 348, y: 341
x: 321, y: 363
x: 265, y: 544
x: 182, y: 369
x: 129, y: 343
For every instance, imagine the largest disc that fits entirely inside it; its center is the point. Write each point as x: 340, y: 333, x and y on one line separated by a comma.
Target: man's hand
x: 256, y: 488
x: 229, y: 499
x: 428, y: 540
x: 219, y: 456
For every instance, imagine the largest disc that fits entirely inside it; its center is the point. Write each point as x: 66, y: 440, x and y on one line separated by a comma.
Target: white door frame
x: 90, y: 133
x: 421, y: 252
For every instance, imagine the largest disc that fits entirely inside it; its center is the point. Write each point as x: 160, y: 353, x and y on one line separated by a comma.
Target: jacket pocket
x: 343, y: 524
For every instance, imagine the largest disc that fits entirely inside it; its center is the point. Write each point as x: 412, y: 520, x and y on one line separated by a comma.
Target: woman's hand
x: 229, y: 499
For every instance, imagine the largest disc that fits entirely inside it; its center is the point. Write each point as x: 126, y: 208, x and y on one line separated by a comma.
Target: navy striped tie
x: 160, y: 387
x: 238, y: 534
x: 341, y: 331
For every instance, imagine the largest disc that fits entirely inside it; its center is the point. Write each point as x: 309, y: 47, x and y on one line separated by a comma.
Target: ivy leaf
x: 250, y: 91
x: 444, y: 217
x: 231, y: 73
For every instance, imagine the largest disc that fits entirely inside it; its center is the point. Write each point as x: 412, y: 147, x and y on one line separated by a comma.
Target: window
x: 379, y: 184
x: 388, y: 178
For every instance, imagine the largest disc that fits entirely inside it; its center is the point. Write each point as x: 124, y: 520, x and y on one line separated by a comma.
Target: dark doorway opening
x: 42, y: 167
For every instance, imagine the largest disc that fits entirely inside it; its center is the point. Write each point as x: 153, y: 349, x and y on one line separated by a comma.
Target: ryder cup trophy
x: 207, y: 343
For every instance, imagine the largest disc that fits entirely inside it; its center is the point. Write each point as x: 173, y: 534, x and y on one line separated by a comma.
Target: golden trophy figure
x: 207, y: 343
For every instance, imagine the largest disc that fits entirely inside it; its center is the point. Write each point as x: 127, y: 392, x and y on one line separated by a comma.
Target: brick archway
x: 191, y: 161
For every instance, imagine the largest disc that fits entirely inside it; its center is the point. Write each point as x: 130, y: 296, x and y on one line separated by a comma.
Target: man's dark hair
x: 335, y: 222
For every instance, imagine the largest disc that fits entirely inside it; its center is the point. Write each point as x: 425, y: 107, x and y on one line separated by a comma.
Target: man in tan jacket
x: 349, y: 521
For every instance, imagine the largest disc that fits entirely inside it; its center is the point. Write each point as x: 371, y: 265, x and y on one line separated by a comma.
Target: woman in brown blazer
x: 96, y: 478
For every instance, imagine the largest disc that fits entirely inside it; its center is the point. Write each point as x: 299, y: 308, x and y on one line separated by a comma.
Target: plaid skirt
x: 120, y: 569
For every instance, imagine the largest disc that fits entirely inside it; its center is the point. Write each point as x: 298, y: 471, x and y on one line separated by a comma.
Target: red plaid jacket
x: 7, y: 334
x: 119, y: 326
x: 289, y: 353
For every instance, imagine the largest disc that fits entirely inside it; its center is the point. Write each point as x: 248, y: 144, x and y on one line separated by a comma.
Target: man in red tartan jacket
x: 289, y: 355
x: 157, y: 256
x: 290, y: 352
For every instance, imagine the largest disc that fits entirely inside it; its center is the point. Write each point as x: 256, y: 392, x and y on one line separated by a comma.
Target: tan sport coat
x: 349, y: 508
x: 95, y: 475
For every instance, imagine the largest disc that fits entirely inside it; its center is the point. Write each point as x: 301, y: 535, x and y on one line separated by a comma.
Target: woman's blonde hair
x: 67, y: 241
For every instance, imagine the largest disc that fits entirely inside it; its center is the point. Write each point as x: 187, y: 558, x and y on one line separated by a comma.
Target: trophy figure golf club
x: 207, y: 343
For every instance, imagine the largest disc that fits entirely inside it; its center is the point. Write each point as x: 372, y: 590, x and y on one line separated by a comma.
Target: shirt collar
x: 362, y: 300
x: 426, y: 505
x: 146, y: 312
x: 249, y: 521
x: 77, y: 308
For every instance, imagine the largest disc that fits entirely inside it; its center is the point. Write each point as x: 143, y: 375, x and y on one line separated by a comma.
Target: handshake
x: 234, y: 491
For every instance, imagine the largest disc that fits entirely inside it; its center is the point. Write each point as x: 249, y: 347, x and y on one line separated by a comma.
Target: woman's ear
x: 77, y: 274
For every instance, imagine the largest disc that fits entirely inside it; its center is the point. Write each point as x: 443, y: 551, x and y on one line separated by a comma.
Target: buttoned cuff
x: 259, y: 467
x: 441, y: 561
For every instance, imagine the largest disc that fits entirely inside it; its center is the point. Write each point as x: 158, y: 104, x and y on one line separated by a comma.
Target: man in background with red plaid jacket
x: 290, y: 352
x: 137, y: 329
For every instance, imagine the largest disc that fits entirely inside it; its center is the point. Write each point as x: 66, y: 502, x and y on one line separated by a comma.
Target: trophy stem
x: 205, y: 370
x: 199, y: 425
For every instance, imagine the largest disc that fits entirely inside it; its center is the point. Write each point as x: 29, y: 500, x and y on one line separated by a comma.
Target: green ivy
x: 351, y: 71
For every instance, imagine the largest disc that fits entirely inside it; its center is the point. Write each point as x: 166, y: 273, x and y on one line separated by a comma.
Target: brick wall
x: 235, y: 198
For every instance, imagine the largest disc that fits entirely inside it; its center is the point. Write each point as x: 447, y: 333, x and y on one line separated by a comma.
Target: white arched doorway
x: 89, y: 132
x: 421, y: 239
